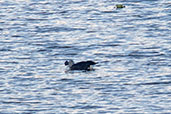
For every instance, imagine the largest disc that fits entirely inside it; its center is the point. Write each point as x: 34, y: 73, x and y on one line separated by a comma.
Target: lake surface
x: 132, y: 46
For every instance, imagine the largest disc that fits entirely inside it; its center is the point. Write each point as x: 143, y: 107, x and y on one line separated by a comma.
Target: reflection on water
x: 132, y: 46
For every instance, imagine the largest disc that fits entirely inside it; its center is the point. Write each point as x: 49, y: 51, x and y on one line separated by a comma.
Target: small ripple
x: 9, y: 62
x: 2, y: 70
x: 42, y: 50
x: 165, y: 93
x: 5, y: 49
x: 36, y: 110
x: 104, y: 45
x: 112, y: 11
x: 56, y: 29
x: 151, y: 47
x: 17, y: 36
x: 11, y: 102
x: 158, y: 63
x: 144, y: 54
x: 119, y: 55
x: 86, y: 107
x: 56, y: 46
x: 25, y: 78
x: 65, y: 79
x: 154, y: 83
x: 70, y: 54
x: 63, y: 12
x: 23, y: 58
x: 34, y: 19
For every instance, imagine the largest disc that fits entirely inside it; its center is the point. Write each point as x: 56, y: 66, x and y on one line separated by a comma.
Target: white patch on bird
x: 71, y: 62
x: 91, y: 67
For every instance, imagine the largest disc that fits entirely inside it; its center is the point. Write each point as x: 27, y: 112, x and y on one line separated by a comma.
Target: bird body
x: 84, y: 65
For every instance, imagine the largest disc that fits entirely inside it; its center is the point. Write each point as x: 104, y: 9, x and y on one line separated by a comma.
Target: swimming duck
x: 84, y: 65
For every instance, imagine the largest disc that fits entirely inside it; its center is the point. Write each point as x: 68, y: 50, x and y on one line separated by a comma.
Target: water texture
x: 132, y: 46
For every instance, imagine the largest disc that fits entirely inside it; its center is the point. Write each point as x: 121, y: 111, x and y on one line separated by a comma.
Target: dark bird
x: 84, y: 65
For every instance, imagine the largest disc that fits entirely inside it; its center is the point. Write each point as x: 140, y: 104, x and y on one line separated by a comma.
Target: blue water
x: 132, y: 46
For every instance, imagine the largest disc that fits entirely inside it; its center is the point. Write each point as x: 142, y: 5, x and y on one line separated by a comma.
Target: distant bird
x: 84, y: 65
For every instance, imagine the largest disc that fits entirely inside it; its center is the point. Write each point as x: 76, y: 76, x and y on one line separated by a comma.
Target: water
x: 132, y: 46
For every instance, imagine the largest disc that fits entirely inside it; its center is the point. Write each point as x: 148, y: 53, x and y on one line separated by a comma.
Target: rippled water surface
x: 131, y: 45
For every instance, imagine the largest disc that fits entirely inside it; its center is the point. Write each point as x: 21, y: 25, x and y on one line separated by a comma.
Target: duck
x: 83, y: 65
